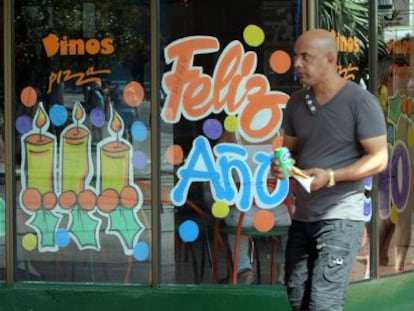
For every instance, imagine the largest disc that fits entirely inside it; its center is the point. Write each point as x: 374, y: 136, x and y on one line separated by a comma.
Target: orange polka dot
x: 67, y: 199
x: 129, y: 197
x: 49, y: 200
x: 263, y: 220
x: 87, y: 200
x: 28, y: 96
x: 32, y: 199
x: 133, y: 94
x: 108, y: 200
x: 174, y: 154
x: 280, y: 61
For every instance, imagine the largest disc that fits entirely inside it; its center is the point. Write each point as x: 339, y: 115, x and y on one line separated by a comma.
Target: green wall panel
x: 393, y: 293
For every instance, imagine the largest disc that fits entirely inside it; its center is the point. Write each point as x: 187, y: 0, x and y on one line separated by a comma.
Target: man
x: 336, y: 132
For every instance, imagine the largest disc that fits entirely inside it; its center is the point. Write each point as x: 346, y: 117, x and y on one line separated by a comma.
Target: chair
x: 275, y: 234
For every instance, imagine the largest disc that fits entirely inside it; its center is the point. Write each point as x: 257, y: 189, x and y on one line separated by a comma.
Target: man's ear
x: 332, y: 58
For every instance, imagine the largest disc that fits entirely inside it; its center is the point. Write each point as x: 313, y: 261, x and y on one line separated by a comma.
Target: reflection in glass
x: 395, y: 196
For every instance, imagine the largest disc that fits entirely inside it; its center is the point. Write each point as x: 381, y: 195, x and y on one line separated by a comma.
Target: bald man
x: 336, y: 132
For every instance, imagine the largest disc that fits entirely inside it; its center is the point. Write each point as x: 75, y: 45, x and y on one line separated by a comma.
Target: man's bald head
x: 321, y: 39
x: 316, y: 57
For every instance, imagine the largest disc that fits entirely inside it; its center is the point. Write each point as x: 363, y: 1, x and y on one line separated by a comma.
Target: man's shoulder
x: 356, y: 91
x: 355, y: 87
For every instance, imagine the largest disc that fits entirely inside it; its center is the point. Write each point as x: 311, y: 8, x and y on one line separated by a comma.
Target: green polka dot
x: 253, y: 35
x: 220, y: 209
x: 231, y: 123
x: 29, y: 241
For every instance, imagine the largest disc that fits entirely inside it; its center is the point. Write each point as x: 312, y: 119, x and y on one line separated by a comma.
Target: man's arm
x: 373, y: 162
x: 290, y: 142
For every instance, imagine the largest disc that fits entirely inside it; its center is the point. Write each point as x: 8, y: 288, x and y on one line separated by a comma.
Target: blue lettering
x: 233, y: 157
x: 199, y: 167
x: 231, y: 178
x: 264, y: 199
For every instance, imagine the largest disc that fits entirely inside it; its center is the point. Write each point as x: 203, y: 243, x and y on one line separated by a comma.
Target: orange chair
x: 253, y: 234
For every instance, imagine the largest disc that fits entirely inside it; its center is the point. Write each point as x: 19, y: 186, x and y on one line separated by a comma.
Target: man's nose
x: 297, y: 63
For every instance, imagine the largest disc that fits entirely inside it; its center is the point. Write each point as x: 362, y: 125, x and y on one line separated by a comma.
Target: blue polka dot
x: 141, y: 251
x: 97, y: 117
x: 62, y: 237
x: 212, y: 128
x: 139, y: 160
x: 188, y: 231
x: 23, y: 124
x: 139, y: 131
x: 58, y: 114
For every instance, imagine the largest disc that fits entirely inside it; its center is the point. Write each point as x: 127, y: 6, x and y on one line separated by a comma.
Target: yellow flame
x: 41, y: 118
x: 116, y: 123
x: 78, y: 112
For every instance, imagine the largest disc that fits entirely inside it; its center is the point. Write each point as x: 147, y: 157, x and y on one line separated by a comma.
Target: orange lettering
x: 182, y: 53
x: 231, y: 70
x: 66, y: 46
x: 81, y: 77
x: 261, y: 103
x: 107, y: 46
x: 234, y: 87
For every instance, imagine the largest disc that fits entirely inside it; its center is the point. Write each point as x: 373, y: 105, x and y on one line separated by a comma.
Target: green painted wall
x: 392, y: 293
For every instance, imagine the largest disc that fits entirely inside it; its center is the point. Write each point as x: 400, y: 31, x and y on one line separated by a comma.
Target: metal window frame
x: 9, y: 136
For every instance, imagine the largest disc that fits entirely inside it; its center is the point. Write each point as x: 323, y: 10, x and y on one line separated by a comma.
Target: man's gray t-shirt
x: 329, y: 138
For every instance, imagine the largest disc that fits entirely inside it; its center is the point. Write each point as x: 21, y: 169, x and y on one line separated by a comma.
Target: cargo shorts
x: 319, y: 260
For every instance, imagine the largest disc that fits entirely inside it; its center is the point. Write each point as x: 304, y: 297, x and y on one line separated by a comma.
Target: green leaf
x: 45, y: 222
x: 125, y: 224
x: 85, y: 229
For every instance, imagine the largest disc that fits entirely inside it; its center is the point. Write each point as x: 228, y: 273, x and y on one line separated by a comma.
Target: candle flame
x: 41, y: 118
x: 116, y: 123
x: 78, y: 112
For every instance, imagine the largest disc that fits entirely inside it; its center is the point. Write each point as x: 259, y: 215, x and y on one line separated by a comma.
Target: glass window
x: 348, y: 22
x: 396, y: 91
x: 226, y: 76
x: 82, y: 140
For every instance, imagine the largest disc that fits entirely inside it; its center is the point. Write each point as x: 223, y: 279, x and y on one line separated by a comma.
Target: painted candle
x: 40, y: 155
x: 75, y: 153
x: 115, y: 157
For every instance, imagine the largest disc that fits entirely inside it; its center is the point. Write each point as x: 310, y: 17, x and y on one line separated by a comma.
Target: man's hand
x: 321, y: 178
x: 275, y: 170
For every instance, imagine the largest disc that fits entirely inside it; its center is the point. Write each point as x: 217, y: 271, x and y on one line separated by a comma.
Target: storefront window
x: 82, y: 140
x: 227, y: 74
x: 348, y: 21
x: 392, y: 193
x: 82, y: 116
x: 396, y: 91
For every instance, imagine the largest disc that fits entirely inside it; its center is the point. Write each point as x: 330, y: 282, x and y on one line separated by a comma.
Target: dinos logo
x: 65, y: 46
